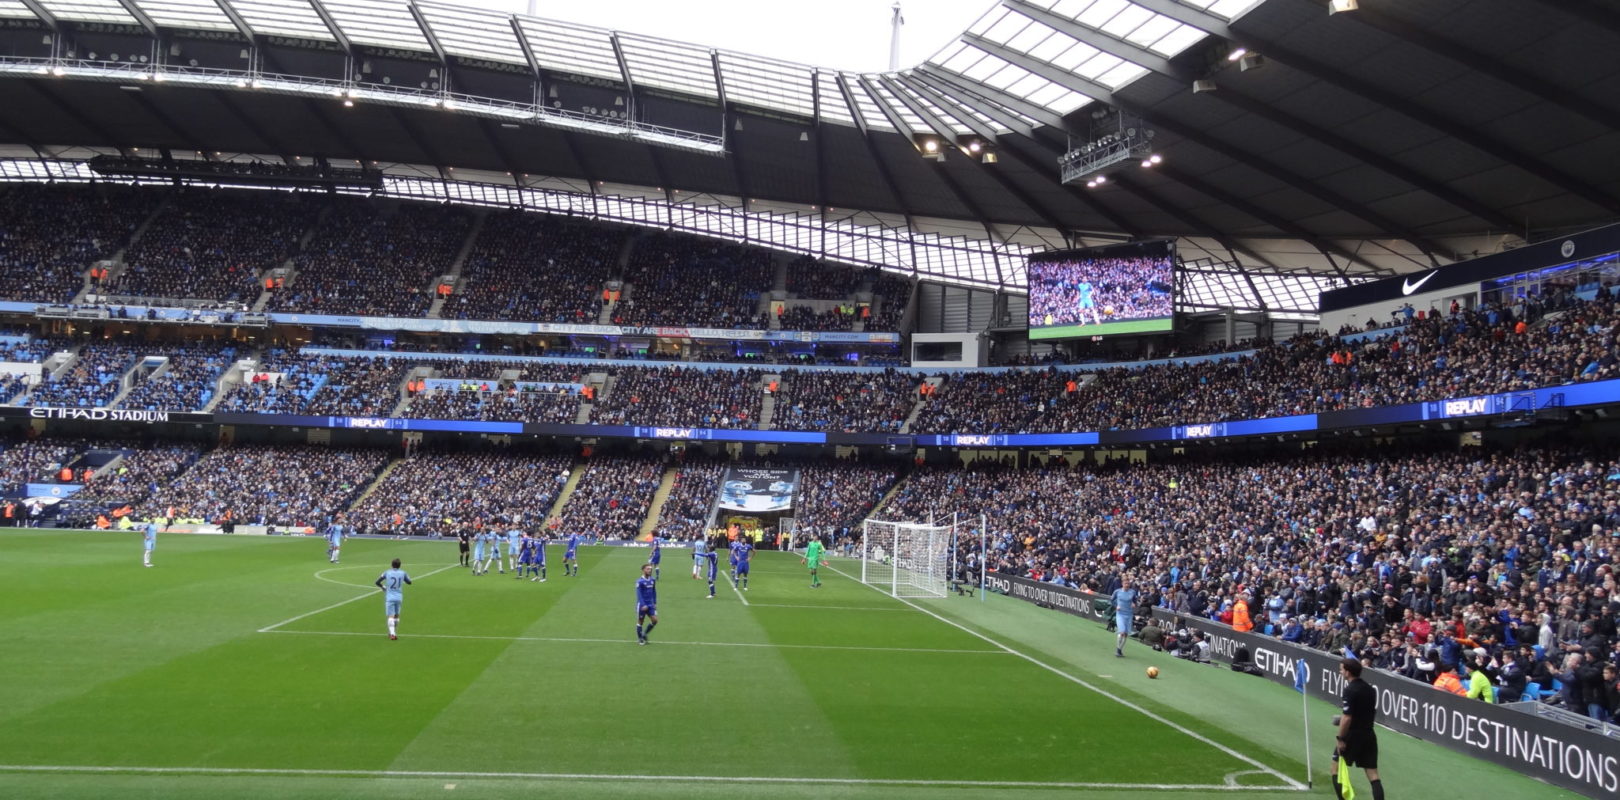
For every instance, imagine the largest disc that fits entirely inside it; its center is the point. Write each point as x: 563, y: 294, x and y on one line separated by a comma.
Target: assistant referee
x: 1358, y: 743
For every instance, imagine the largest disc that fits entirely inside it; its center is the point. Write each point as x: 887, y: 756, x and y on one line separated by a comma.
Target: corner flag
x: 1302, y: 676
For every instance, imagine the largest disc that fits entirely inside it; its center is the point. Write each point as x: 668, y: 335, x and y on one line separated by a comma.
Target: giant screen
x: 1098, y: 291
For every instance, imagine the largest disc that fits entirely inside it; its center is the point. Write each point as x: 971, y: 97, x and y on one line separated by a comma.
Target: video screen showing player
x: 1102, y: 290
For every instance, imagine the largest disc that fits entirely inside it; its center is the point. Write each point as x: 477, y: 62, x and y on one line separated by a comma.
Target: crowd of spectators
x: 50, y: 235
x: 189, y: 382
x: 536, y: 268
x: 365, y: 260
x: 810, y: 279
x: 685, y: 513
x: 611, y: 499
x: 441, y: 494
x: 509, y: 405
x: 682, y: 396
x: 834, y: 497
x: 691, y: 281
x: 890, y: 296
x: 1414, y: 560
x: 288, y: 487
x: 93, y: 379
x: 210, y: 244
x: 26, y: 350
x: 288, y: 382
x: 805, y: 318
x: 828, y: 400
x: 33, y: 460
x: 129, y: 481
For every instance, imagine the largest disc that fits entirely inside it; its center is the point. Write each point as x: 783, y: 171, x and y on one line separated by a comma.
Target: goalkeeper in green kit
x: 814, y: 554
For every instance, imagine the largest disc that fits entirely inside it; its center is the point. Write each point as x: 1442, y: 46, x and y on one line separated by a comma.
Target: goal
x: 906, y: 559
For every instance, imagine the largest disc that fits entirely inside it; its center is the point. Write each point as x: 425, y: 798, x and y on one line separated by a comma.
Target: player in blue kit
x: 148, y: 542
x: 334, y: 540
x: 571, y: 557
x: 478, y: 554
x: 744, y: 551
x: 657, y: 556
x: 393, y: 583
x: 646, y: 603
x: 700, y: 549
x: 537, y: 558
x: 711, y: 560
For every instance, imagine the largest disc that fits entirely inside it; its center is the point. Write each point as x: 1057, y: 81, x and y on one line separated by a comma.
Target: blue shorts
x: 478, y: 552
x: 569, y: 555
x: 150, y: 544
x: 742, y: 567
x: 647, y: 611
x: 512, y: 549
x: 391, y: 606
x: 1122, y: 622
x: 1088, y: 303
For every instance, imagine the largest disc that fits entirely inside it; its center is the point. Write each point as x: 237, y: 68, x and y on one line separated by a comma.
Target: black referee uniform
x: 463, y: 543
x: 1358, y: 743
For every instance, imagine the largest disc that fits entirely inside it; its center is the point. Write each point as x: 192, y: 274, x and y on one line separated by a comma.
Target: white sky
x: 850, y: 35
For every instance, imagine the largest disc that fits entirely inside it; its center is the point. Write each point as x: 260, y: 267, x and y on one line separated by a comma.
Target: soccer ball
x: 1153, y: 672
x: 1108, y: 311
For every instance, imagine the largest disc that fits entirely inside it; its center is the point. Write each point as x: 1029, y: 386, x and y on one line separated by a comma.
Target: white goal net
x: 906, y: 559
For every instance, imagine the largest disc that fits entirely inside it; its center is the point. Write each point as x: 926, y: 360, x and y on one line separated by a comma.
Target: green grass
x: 1102, y: 329
x: 165, y: 683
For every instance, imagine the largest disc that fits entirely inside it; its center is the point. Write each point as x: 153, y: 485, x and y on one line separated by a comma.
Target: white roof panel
x: 190, y: 14
x: 666, y: 64
x: 474, y: 33
x: 833, y: 106
x: 378, y: 23
x: 576, y: 49
x: 14, y: 9
x: 295, y: 18
x: 89, y: 11
x: 767, y: 83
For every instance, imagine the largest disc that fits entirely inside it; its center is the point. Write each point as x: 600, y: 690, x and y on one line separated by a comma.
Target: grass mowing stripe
x: 824, y: 607
x: 659, y: 641
x: 746, y: 779
x: 1292, y: 783
x: 340, y: 604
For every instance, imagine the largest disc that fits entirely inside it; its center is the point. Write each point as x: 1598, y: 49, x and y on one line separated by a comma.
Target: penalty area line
x: 1293, y: 785
x: 588, y: 776
x: 340, y: 604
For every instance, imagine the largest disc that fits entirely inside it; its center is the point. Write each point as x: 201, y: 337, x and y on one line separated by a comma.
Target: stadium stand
x: 377, y: 261
x: 210, y: 244
x: 825, y: 400
x: 686, y: 280
x: 50, y: 235
x: 682, y: 396
x: 189, y: 382
x: 611, y: 499
x: 835, y: 497
x: 287, y: 487
x: 686, y: 510
x: 127, y: 482
x: 439, y: 494
x: 292, y: 383
x: 536, y: 268
x: 93, y: 379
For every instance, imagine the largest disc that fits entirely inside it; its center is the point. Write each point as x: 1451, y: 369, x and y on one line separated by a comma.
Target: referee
x: 1358, y: 744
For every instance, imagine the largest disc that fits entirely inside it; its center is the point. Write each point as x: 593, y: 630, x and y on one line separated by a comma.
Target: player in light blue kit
x: 492, y: 550
x: 571, y: 557
x: 334, y: 540
x: 711, y: 561
x: 393, y: 583
x: 1087, y: 302
x: 478, y: 554
x: 1124, y: 600
x: 700, y: 549
x: 514, y: 549
x: 744, y: 551
x: 657, y: 556
x: 646, y: 603
x: 148, y: 542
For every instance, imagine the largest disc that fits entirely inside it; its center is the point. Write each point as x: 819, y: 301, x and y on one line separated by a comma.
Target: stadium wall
x: 1581, y: 760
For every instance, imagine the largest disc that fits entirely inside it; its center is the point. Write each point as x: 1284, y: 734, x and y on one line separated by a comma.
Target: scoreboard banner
x: 758, y: 491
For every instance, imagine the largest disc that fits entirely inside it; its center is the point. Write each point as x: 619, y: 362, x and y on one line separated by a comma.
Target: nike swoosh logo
x: 1408, y: 287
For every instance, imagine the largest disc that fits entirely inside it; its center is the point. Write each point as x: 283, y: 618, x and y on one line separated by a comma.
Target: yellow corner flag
x: 1346, y: 791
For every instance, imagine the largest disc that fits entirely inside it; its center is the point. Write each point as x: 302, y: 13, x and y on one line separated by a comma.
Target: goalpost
x: 907, y: 559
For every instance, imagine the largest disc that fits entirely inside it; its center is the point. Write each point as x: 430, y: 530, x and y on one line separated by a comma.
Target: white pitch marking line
x: 570, y: 776
x: 1292, y: 784
x: 660, y: 641
x: 290, y: 620
x: 740, y: 595
x: 321, y: 576
x: 826, y: 608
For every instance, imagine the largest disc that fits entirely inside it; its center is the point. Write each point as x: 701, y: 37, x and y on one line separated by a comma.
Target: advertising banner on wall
x: 758, y: 490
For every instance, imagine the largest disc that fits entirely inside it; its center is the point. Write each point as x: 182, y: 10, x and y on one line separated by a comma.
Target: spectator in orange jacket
x: 1240, y: 614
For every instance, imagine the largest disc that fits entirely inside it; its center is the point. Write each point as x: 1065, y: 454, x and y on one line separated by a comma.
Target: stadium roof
x: 1384, y: 139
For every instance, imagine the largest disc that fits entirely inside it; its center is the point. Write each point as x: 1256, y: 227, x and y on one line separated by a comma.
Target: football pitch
x: 250, y: 667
